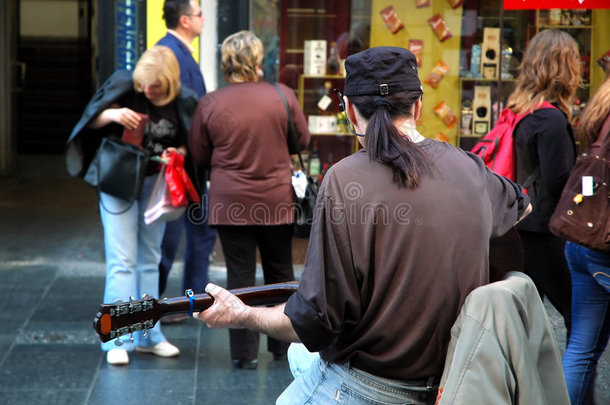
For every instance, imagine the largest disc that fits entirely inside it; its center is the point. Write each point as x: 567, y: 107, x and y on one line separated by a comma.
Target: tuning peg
x: 118, y: 301
x: 131, y: 337
x: 118, y: 342
x: 132, y: 298
x: 146, y: 296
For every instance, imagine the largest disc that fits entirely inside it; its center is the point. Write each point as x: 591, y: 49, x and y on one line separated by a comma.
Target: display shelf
x: 566, y: 27
x: 525, y: 24
x: 484, y: 80
x: 301, y: 84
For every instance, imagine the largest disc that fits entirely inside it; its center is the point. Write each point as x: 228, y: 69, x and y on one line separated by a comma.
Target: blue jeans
x: 320, y: 382
x: 133, y: 251
x: 590, y: 317
x: 200, y: 239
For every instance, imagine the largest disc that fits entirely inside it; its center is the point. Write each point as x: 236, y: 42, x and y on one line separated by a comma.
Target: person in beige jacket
x: 503, y: 349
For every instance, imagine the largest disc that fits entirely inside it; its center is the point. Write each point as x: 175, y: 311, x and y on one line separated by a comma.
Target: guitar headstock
x: 123, y: 318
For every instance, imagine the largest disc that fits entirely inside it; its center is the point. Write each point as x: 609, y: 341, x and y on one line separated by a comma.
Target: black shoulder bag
x: 305, y: 206
x: 118, y: 169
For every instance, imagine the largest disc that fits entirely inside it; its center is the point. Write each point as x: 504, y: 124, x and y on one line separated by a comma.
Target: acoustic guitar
x: 123, y: 318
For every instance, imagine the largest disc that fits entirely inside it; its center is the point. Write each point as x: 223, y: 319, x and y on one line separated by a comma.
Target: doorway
x: 54, y: 54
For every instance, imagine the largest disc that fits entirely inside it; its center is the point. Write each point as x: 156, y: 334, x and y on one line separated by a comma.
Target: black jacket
x: 83, y: 142
x: 544, y: 139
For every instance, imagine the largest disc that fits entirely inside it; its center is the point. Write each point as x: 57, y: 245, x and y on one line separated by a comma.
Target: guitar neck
x: 121, y: 318
x: 270, y: 294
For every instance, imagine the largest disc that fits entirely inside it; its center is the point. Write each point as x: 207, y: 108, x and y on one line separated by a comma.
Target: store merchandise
x: 391, y: 20
x: 437, y: 74
x: 440, y: 28
x: 325, y: 102
x: 416, y: 47
x: 456, y: 3
x: 444, y: 112
x: 466, y: 123
x: 314, y: 161
x: 314, y: 58
x: 490, y: 55
x: 475, y: 61
x: 334, y: 61
x: 481, y: 107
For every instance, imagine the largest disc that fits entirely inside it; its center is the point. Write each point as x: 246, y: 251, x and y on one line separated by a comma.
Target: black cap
x: 381, y: 71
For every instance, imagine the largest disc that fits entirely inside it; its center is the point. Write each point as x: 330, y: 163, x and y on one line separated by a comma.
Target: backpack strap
x: 532, y: 178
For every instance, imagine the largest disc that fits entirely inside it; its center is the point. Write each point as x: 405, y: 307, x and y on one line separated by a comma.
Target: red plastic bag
x: 179, y: 184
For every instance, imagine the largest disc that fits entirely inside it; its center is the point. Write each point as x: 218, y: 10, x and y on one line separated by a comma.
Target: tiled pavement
x: 51, y: 284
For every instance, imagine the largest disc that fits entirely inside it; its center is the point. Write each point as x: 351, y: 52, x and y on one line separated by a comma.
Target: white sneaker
x: 163, y: 349
x: 117, y: 357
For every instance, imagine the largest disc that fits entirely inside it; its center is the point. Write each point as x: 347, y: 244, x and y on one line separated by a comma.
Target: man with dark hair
x: 388, y: 265
x: 184, y: 21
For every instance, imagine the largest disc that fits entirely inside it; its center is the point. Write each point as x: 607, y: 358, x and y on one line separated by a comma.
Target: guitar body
x: 122, y: 318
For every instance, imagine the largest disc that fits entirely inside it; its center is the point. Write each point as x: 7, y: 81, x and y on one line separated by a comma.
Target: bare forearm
x: 270, y: 321
x: 123, y: 116
x: 228, y: 311
x: 103, y: 119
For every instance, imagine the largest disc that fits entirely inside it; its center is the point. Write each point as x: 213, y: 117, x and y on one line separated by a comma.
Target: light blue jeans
x: 590, y: 317
x: 133, y: 252
x: 320, y: 382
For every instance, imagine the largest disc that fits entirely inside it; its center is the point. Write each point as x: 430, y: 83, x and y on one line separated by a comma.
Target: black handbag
x: 118, y: 169
x: 585, y: 219
x: 305, y: 206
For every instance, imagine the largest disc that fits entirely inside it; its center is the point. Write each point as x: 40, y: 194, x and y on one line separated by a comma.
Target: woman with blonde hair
x: 133, y: 248
x: 239, y: 132
x: 545, y: 151
x: 590, y: 270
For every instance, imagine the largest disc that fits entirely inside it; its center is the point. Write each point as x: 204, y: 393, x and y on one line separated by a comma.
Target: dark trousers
x: 546, y: 264
x: 200, y: 239
x: 239, y: 245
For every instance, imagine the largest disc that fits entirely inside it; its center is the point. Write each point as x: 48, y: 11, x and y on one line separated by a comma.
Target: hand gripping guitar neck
x: 122, y: 318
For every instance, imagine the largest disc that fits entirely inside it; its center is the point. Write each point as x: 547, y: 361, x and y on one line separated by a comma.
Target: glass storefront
x: 468, y: 53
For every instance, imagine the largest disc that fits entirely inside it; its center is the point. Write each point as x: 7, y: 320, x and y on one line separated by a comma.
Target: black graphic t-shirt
x: 163, y: 128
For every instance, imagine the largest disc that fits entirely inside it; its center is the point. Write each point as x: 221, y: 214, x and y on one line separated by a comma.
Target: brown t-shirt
x: 388, y: 268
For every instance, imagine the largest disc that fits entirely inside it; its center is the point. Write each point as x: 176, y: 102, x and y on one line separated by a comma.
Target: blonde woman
x: 133, y: 249
x: 545, y: 150
x: 239, y: 133
x: 590, y: 271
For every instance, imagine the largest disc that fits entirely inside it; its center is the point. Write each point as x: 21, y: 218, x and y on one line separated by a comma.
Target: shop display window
x: 468, y: 55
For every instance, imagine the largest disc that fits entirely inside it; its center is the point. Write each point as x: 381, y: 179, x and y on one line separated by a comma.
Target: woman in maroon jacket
x: 240, y: 133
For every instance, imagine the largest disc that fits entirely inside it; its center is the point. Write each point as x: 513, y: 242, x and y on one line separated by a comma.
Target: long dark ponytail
x: 385, y: 143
